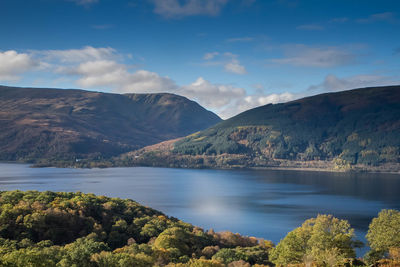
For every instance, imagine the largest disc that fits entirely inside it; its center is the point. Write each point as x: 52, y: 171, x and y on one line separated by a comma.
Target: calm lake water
x: 267, y: 203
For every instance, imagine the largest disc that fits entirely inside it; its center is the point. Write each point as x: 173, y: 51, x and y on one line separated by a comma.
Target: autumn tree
x: 383, y: 234
x: 325, y: 239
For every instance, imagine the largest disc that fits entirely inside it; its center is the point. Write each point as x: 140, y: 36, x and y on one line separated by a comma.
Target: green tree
x: 252, y: 255
x: 110, y: 259
x: 79, y: 252
x: 200, y: 263
x: 383, y: 233
x: 325, y: 239
x: 32, y: 257
x: 175, y: 241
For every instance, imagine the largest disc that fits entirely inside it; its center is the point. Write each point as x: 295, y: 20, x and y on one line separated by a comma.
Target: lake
x: 261, y: 203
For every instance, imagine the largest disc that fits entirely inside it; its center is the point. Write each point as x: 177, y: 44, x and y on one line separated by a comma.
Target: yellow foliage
x: 162, y: 217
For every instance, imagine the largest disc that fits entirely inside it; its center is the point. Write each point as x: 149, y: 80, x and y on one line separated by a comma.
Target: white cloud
x: 99, y: 67
x: 143, y: 81
x: 271, y: 99
x: 229, y: 61
x: 302, y: 55
x: 13, y: 63
x: 114, y: 75
x: 252, y: 101
x: 88, y: 53
x: 332, y: 83
x: 211, y: 55
x: 212, y: 95
x: 234, y: 67
x: 179, y: 8
x: 385, y: 16
x: 100, y: 73
x: 310, y: 27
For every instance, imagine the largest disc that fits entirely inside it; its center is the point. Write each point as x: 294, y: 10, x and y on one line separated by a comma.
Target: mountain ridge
x: 40, y: 123
x: 353, y: 129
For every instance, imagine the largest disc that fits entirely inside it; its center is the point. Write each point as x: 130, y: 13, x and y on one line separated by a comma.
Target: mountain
x: 38, y: 123
x: 342, y: 130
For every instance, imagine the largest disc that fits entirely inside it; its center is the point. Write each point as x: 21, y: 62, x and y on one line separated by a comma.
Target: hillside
x: 75, y: 229
x: 342, y: 130
x: 49, y: 229
x: 65, y: 124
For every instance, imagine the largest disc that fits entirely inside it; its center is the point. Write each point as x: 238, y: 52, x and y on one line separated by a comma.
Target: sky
x: 227, y: 55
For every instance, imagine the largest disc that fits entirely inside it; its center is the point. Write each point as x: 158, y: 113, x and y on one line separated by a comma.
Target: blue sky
x: 228, y: 55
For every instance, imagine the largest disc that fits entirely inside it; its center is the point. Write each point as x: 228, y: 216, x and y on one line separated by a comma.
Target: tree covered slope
x: 355, y: 127
x: 50, y: 229
x: 40, y: 123
x: 75, y: 229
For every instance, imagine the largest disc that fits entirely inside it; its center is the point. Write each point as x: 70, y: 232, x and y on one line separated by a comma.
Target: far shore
x: 313, y: 169
x: 355, y: 169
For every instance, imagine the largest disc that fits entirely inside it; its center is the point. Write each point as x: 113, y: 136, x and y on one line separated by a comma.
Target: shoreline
x: 279, y: 168
x: 313, y: 169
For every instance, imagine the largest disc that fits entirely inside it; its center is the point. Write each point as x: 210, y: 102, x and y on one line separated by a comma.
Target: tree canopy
x: 323, y: 239
x: 75, y: 229
x: 384, y: 231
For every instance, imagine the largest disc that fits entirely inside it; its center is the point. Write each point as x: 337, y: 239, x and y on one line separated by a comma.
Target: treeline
x: 356, y: 127
x: 76, y: 229
x: 263, y: 144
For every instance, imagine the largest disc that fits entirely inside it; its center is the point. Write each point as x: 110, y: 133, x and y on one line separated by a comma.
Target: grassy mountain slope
x: 63, y: 124
x: 356, y: 127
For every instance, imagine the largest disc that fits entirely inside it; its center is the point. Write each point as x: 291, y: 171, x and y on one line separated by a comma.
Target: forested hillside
x: 75, y: 229
x: 60, y: 124
x: 340, y: 130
